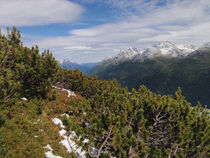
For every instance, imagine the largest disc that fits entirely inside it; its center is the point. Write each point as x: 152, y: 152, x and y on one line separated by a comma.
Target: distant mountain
x: 162, y: 68
x: 70, y: 64
x: 50, y: 112
x: 166, y: 48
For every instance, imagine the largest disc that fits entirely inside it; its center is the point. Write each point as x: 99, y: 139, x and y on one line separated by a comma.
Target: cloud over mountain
x: 136, y: 23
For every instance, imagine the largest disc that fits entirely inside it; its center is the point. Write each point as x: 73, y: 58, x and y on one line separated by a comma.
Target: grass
x: 27, y: 127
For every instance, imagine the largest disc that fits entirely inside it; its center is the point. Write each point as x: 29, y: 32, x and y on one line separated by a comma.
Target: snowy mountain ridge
x: 65, y: 60
x: 161, y: 49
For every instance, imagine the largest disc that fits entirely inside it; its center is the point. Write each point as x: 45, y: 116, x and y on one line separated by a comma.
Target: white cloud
x: 195, y: 34
x: 180, y: 21
x: 37, y: 12
x: 77, y: 48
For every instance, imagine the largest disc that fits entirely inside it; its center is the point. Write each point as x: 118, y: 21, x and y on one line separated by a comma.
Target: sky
x: 90, y: 30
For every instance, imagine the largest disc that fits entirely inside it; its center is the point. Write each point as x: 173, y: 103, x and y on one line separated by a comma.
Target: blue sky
x: 91, y: 30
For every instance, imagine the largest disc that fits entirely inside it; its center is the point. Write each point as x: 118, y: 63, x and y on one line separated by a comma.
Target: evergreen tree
x: 23, y: 71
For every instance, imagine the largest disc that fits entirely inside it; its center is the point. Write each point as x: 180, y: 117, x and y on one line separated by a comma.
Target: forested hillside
x: 164, y: 75
x: 100, y: 117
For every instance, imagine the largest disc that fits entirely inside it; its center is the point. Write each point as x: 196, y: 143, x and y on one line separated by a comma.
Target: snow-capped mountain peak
x: 124, y: 54
x: 188, y: 48
x: 128, y: 53
x: 165, y: 48
x: 62, y: 61
x: 174, y: 49
x: 67, y: 63
x: 164, y: 45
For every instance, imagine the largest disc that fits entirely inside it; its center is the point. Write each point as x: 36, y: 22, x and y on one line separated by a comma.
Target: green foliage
x: 163, y: 75
x: 140, y: 124
x: 23, y: 71
x: 76, y: 81
x: 137, y: 124
x: 3, y: 144
x: 25, y: 132
x: 116, y: 122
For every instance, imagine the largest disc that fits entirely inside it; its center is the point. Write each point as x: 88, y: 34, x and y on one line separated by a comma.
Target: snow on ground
x: 70, y: 93
x: 49, y: 154
x: 24, y: 98
x: 65, y: 115
x: 67, y: 141
x: 57, y: 121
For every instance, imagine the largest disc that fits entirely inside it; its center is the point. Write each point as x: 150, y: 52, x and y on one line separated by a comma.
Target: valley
x: 163, y: 68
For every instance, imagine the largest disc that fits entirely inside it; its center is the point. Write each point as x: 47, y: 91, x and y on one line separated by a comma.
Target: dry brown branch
x: 103, y: 145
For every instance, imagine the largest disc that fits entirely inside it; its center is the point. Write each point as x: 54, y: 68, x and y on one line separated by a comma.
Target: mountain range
x: 50, y: 112
x: 70, y: 64
x: 163, y: 68
x: 166, y: 48
x: 134, y: 54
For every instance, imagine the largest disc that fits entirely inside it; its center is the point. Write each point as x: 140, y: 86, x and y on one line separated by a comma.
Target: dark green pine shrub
x: 23, y: 71
x: 116, y: 122
x: 140, y: 124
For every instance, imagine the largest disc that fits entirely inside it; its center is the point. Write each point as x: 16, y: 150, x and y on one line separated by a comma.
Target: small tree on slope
x: 23, y: 71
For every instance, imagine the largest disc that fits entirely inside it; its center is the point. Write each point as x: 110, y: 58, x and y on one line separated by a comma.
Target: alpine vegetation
x: 48, y: 111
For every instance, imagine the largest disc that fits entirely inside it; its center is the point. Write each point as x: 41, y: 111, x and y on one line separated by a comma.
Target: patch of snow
x: 62, y: 132
x: 88, y: 125
x: 70, y: 145
x: 70, y: 93
x: 49, y: 154
x: 25, y: 99
x: 41, y: 130
x: 65, y: 143
x: 85, y: 141
x: 57, y: 121
x: 48, y: 147
x: 65, y: 115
